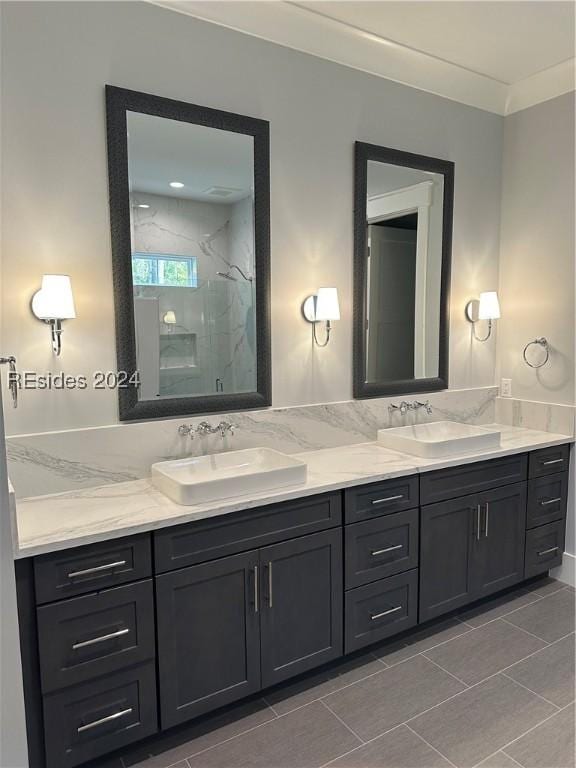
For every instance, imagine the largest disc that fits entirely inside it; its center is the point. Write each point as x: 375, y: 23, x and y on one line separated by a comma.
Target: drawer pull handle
x: 388, y: 499
x: 101, y: 639
x: 552, y: 461
x: 104, y: 720
x: 546, y: 502
x: 547, y: 551
x: 375, y: 616
x: 487, y: 517
x: 256, y: 596
x: 388, y: 549
x: 96, y: 569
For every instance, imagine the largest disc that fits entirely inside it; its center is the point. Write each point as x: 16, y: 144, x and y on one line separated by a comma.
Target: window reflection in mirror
x: 193, y: 271
x: 404, y: 219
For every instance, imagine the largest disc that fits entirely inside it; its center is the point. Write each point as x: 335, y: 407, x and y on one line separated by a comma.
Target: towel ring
x: 542, y: 342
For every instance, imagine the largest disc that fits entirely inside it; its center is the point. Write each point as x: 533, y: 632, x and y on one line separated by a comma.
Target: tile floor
x: 491, y: 687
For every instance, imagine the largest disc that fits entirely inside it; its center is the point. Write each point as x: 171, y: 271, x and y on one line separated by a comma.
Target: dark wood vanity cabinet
x: 124, y: 638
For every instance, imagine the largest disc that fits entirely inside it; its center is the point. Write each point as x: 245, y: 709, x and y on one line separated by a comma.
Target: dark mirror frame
x: 119, y: 101
x: 363, y: 153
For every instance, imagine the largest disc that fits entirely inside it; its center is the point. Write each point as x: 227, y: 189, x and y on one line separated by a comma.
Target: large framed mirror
x: 402, y: 250
x: 190, y: 224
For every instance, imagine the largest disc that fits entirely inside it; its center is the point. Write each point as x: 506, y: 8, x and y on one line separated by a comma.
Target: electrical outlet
x: 506, y: 388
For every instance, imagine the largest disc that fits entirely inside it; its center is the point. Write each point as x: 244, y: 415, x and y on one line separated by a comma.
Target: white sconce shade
x: 53, y: 303
x: 170, y: 317
x: 327, y: 306
x: 489, y: 308
x: 54, y: 300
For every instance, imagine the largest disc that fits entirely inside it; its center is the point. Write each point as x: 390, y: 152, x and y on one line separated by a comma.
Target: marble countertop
x: 63, y: 520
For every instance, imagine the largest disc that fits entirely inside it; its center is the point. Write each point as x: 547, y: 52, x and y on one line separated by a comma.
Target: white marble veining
x: 548, y: 417
x: 59, y: 521
x: 55, y: 462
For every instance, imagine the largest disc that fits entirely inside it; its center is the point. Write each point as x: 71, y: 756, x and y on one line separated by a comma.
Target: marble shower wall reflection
x: 206, y: 333
x: 63, y: 461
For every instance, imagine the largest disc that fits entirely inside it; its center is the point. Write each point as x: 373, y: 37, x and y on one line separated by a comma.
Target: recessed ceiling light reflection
x: 176, y: 184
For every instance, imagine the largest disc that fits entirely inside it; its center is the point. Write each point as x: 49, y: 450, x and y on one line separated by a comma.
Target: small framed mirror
x: 189, y: 212
x: 402, y: 250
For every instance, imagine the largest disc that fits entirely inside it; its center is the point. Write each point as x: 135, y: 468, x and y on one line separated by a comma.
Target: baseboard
x: 567, y: 571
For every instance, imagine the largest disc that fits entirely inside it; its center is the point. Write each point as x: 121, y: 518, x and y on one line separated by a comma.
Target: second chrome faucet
x: 204, y: 428
x: 406, y: 406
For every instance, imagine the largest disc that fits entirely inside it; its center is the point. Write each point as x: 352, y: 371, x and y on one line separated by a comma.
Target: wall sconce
x: 487, y: 308
x: 53, y: 303
x: 169, y: 319
x: 322, y: 307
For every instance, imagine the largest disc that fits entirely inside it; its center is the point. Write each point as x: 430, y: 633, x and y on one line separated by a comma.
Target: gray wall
x: 57, y: 58
x: 537, y: 249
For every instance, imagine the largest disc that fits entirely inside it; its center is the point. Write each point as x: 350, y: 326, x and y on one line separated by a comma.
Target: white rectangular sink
x: 200, y: 479
x: 439, y: 438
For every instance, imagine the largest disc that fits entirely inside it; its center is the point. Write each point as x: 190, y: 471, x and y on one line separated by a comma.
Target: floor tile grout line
x: 265, y: 700
x: 467, y: 685
x: 513, y: 759
x: 531, y: 691
x: 352, y: 731
x: 430, y: 745
x: 537, y: 599
x: 521, y: 736
x: 369, y: 741
x: 426, y: 650
x: 511, y: 624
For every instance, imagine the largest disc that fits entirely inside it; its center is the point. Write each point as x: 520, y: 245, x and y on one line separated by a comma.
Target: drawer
x: 544, y: 548
x: 89, y: 720
x: 379, y: 610
x: 466, y: 479
x: 382, y: 547
x: 237, y: 532
x: 368, y: 501
x: 95, y: 566
x: 94, y: 635
x: 549, y: 460
x: 547, y: 499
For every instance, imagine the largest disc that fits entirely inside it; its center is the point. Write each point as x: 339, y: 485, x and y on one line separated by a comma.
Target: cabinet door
x: 208, y: 636
x: 449, y: 532
x: 301, y: 619
x: 499, y: 561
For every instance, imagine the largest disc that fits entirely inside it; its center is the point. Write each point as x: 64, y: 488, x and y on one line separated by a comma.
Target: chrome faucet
x: 417, y: 404
x: 186, y: 430
x: 207, y: 429
x: 404, y: 407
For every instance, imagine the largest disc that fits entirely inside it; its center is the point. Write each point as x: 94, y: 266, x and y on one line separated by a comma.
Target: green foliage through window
x: 164, y: 269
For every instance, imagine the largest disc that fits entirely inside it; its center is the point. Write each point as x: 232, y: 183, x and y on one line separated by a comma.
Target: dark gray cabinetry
x: 544, y: 548
x: 301, y: 616
x: 449, y: 531
x: 471, y: 547
x: 368, y: 501
x: 547, y: 499
x: 208, y: 636
x: 381, y: 609
x: 381, y: 547
x: 230, y: 626
x: 94, y: 718
x: 500, y: 550
x: 549, y: 460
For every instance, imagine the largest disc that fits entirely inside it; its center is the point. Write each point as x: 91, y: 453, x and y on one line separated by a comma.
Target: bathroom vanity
x: 128, y: 636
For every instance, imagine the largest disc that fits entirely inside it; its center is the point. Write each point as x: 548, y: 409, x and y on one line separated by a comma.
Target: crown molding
x: 542, y: 86
x: 289, y: 25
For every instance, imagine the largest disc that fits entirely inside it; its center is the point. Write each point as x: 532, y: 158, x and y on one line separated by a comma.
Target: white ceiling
x: 162, y: 150
x: 499, y: 55
x: 507, y: 41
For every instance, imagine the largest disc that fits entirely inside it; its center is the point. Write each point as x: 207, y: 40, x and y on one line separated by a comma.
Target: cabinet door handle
x: 487, y: 516
x: 546, y: 502
x: 548, y: 551
x: 270, y: 585
x: 478, y: 522
x: 101, y: 639
x: 375, y: 616
x: 104, y: 720
x: 96, y: 569
x: 256, y: 595
x: 552, y: 461
x: 387, y: 499
x: 388, y: 549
